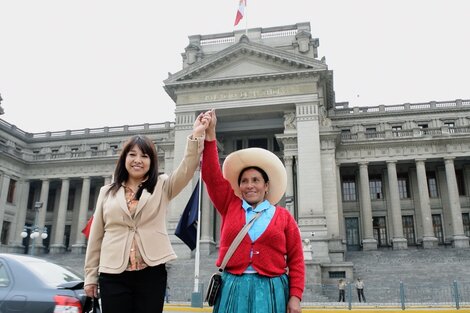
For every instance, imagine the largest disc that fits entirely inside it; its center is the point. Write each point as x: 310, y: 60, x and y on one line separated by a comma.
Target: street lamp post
x: 35, y: 229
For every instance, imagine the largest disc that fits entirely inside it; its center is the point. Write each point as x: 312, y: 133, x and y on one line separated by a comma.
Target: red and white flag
x: 240, y: 12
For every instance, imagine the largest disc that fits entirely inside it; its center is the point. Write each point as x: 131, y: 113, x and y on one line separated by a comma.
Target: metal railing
x: 404, y: 295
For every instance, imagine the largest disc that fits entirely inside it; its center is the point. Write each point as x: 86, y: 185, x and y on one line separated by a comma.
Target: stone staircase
x: 427, y: 275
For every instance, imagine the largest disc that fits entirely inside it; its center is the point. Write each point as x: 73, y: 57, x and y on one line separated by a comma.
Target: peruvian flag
x: 86, y: 230
x: 240, y: 12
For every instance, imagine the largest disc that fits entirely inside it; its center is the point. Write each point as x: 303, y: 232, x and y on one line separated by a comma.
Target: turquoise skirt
x: 252, y: 293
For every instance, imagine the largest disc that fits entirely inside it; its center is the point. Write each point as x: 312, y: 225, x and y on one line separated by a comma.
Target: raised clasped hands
x: 201, y: 123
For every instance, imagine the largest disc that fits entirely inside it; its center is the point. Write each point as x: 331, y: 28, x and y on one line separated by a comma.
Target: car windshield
x: 53, y: 274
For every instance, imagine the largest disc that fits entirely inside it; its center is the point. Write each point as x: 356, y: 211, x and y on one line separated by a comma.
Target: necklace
x: 131, y: 198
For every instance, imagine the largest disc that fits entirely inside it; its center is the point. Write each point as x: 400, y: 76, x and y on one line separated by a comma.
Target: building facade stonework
x: 362, y: 178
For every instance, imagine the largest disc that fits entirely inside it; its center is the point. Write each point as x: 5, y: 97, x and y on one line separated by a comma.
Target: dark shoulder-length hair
x: 120, y: 172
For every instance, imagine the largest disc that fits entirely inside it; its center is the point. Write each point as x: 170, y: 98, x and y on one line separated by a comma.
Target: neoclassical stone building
x: 395, y: 176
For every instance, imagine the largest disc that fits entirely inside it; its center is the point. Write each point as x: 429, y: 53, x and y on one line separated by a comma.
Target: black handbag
x: 96, y: 306
x: 215, y: 282
x: 213, y: 288
x: 92, y: 305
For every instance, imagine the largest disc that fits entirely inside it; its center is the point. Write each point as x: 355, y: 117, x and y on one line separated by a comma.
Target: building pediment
x: 244, y: 60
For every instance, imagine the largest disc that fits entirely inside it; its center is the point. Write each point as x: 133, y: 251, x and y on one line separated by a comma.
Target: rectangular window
x: 258, y: 142
x: 396, y: 131
x: 239, y: 144
x: 380, y: 230
x: 403, y: 186
x: 276, y: 147
x: 337, y: 274
x: 349, y: 189
x: 5, y: 232
x: 51, y: 200
x: 460, y: 182
x: 432, y: 184
x: 423, y: 129
x: 466, y: 224
x: 71, y: 199
x: 409, y: 229
x: 11, y: 191
x: 437, y: 226
x: 371, y: 132
x: 375, y: 188
x: 346, y: 134
x: 450, y: 126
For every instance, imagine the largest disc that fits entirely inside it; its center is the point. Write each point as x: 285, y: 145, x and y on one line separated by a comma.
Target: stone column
x: 207, y: 243
x: 44, y: 197
x: 290, y: 184
x: 368, y: 240
x: 429, y: 240
x: 312, y: 217
x: 5, y: 181
x: 20, y: 218
x: 57, y: 245
x: 183, y: 128
x: 107, y: 180
x: 80, y: 247
x: 459, y: 240
x: 342, y: 227
x: 398, y: 241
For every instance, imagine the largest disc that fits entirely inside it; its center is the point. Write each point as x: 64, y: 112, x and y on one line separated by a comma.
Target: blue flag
x: 187, y: 226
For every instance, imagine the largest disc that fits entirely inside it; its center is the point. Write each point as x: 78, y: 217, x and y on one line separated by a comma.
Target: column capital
x: 288, y: 159
x: 391, y: 162
x: 449, y: 159
x: 363, y: 163
x: 421, y: 160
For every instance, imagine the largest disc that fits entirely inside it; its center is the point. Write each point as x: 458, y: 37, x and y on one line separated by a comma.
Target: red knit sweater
x: 277, y: 251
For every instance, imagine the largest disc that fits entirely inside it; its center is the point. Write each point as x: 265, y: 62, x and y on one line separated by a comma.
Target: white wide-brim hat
x: 262, y: 158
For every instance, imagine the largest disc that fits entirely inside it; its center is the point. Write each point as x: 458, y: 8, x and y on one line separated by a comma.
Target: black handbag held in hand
x: 215, y: 282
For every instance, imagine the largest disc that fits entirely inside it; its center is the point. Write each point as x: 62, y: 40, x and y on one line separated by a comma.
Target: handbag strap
x: 237, y: 241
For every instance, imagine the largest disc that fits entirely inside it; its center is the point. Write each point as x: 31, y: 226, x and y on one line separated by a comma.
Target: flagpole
x: 246, y: 18
x: 198, y: 235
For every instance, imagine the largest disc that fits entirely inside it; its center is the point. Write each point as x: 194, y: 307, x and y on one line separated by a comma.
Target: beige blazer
x: 113, y: 229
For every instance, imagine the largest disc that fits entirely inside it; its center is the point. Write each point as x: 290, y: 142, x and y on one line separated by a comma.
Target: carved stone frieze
x: 312, y: 221
x: 246, y: 93
x: 404, y: 151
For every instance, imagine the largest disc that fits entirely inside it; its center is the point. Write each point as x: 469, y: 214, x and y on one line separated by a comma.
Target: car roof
x: 27, y: 272
x: 21, y: 257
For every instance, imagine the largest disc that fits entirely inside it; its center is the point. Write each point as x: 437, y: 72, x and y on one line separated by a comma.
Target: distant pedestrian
x: 341, y: 288
x: 360, y: 289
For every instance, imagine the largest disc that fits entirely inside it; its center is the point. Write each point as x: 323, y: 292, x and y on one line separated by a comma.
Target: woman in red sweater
x: 267, y: 271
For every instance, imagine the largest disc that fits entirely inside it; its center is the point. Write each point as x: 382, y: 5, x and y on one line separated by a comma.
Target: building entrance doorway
x: 380, y: 231
x: 352, y: 234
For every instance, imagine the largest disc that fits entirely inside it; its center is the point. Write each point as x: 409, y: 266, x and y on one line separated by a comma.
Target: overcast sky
x: 94, y: 63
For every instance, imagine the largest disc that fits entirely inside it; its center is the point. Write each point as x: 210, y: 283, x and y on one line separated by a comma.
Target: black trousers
x: 341, y: 295
x: 360, y: 293
x: 134, y: 291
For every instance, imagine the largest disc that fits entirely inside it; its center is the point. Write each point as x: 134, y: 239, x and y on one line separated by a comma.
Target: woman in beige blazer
x: 129, y: 244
